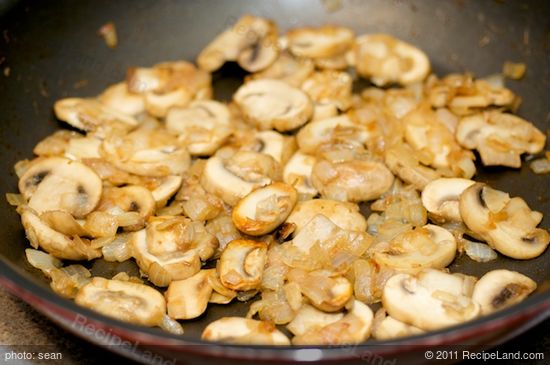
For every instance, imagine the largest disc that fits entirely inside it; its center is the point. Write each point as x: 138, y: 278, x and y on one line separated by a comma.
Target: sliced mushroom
x: 147, y: 152
x: 60, y: 245
x: 353, y: 328
x: 130, y: 198
x: 436, y: 144
x: 321, y: 132
x: 286, y: 68
x: 188, y: 298
x: 297, y: 172
x: 123, y: 300
x: 402, y: 160
x: 241, y: 264
x: 388, y: 328
x: 119, y: 98
x: 83, y: 148
x: 90, y: 115
x: 274, y: 104
x: 423, y: 247
x: 441, y: 198
x: 168, y: 186
x: 352, y: 181
x: 426, y: 301
x: 329, y: 88
x: 507, y: 224
x: 263, y: 210
x: 500, y: 138
x: 278, y: 146
x: 499, y: 289
x: 327, y: 42
x: 327, y: 291
x: 309, y: 319
x: 244, y: 331
x: 252, y: 42
x: 56, y: 143
x: 167, y: 85
x: 385, y: 59
x: 235, y: 177
x: 56, y: 183
x: 345, y: 215
x: 204, y: 125
x: 171, y: 248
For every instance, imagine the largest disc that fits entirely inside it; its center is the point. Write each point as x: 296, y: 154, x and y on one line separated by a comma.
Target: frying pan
x: 52, y: 51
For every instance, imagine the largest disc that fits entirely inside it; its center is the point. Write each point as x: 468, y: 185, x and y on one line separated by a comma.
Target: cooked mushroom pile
x: 257, y: 199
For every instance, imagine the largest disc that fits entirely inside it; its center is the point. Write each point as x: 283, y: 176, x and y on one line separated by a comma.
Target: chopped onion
x: 118, y: 250
x: 158, y: 275
x: 15, y: 199
x: 479, y: 252
x: 245, y: 296
x: 67, y: 281
x: 496, y: 81
x: 101, y: 224
x: 170, y: 325
x: 42, y: 260
x: 539, y: 166
x: 513, y: 70
x: 129, y: 219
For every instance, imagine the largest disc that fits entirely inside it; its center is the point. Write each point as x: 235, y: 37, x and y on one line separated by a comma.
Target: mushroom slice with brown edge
x: 402, y: 160
x: 118, y: 97
x: 345, y: 215
x: 264, y: 209
x: 188, y: 298
x: 128, y: 199
x: 320, y: 43
x: 441, y: 198
x: 423, y: 247
x: 388, y: 328
x: 274, y: 104
x: 384, y: 60
x: 169, y: 84
x: 56, y: 143
x: 507, y: 224
x: 316, y: 133
x: 286, y: 68
x: 123, y: 300
x: 327, y: 291
x: 499, y: 289
x: 90, y: 115
x: 204, y: 125
x: 278, y: 146
x: 167, y: 187
x: 40, y: 234
x: 241, y: 264
x: 252, y: 42
x: 147, y: 152
x: 352, y: 181
x: 499, y: 137
x: 232, y: 178
x: 171, y: 248
x: 297, y: 172
x: 329, y: 88
x: 56, y: 183
x: 240, y: 330
x: 310, y: 318
x: 428, y: 303
x: 353, y: 328
x: 83, y: 148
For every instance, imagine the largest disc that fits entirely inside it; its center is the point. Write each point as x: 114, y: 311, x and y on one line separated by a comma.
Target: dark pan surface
x: 52, y: 51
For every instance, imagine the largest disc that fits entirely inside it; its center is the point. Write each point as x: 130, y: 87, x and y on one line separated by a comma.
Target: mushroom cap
x: 264, y: 209
x: 123, y: 300
x: 244, y: 331
x: 330, y: 88
x: 427, y: 247
x: 168, y: 186
x: 441, y: 197
x: 276, y: 145
x: 58, y: 244
x: 129, y: 198
x: 241, y: 264
x: 118, y: 97
x: 297, y: 172
x: 499, y: 289
x: 353, y: 181
x: 56, y: 183
x: 323, y: 42
x: 385, y: 59
x: 345, y: 215
x: 267, y: 104
x: 388, y: 328
x: 286, y: 68
x: 425, y: 303
x: 310, y: 318
x: 188, y: 298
